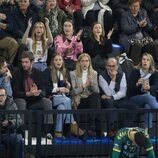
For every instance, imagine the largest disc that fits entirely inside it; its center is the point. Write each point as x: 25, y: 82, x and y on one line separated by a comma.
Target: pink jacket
x: 68, y: 49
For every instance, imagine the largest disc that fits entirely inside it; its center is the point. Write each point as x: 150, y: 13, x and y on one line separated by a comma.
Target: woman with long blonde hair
x: 85, y: 90
x: 39, y: 43
x: 143, y: 84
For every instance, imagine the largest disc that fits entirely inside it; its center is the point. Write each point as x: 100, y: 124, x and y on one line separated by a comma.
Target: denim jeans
x: 40, y: 65
x: 146, y: 101
x: 15, y: 143
x: 62, y: 103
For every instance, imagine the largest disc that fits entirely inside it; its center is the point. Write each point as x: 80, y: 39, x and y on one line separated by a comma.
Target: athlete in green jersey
x: 128, y: 141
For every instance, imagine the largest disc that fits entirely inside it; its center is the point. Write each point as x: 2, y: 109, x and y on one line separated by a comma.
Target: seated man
x: 28, y: 87
x: 7, y: 42
x: 8, y: 125
x: 113, y: 87
x: 128, y: 142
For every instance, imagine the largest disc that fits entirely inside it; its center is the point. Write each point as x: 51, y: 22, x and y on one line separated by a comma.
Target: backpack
x: 126, y: 65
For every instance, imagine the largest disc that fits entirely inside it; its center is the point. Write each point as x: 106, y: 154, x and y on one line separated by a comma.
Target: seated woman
x: 98, y: 46
x: 135, y: 27
x: 69, y: 45
x: 143, y: 84
x: 85, y: 90
x: 58, y: 86
x: 55, y: 15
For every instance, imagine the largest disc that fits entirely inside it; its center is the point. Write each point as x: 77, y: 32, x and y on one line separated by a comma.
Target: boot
x: 58, y: 134
x: 76, y: 130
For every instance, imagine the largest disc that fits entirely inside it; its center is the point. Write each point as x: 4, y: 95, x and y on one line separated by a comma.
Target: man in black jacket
x: 28, y: 87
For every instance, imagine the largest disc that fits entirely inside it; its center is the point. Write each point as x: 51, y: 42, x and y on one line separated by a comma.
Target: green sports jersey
x: 124, y: 147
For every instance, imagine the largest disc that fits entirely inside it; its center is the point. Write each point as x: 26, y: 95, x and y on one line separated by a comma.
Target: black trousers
x: 112, y: 118
x: 93, y: 120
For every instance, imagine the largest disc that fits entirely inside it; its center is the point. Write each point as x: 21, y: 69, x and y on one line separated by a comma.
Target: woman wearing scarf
x: 55, y: 15
x: 143, y: 84
x: 97, y: 10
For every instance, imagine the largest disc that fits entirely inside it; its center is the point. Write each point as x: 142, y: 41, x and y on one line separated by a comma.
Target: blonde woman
x: 85, y: 90
x: 39, y: 43
x: 143, y: 84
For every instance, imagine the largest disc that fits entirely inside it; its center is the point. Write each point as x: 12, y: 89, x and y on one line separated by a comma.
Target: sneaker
x: 76, y: 130
x: 49, y: 136
x: 58, y: 134
x: 111, y: 134
x: 91, y: 133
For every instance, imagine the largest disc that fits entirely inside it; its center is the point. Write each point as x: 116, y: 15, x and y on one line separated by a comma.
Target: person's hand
x: 30, y: 22
x: 68, y: 85
x: 5, y: 123
x: 140, y: 82
x: 146, y: 86
x: 64, y: 90
x: 69, y: 9
x: 90, y: 81
x: 143, y: 23
x: 110, y: 33
x: 155, y: 28
x: 7, y: 75
x: 2, y: 16
x: 12, y: 2
x: 46, y: 21
x: 105, y: 97
x: 79, y: 34
x: 34, y: 91
x: 39, y: 2
x: 68, y: 51
x: 113, y: 75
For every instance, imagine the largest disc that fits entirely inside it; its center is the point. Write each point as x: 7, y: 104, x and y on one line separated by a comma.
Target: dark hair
x: 130, y: 2
x: 140, y: 139
x: 2, y: 61
x: 28, y: 54
x: 92, y: 34
x: 62, y: 31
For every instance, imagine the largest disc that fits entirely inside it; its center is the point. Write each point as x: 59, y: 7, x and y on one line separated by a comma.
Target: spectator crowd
x: 58, y: 55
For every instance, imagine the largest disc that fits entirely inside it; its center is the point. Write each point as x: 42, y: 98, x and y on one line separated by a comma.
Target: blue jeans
x: 40, y: 65
x: 15, y: 143
x: 146, y: 101
x: 62, y: 103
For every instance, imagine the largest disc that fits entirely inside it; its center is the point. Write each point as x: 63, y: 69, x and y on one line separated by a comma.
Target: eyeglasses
x: 111, y: 66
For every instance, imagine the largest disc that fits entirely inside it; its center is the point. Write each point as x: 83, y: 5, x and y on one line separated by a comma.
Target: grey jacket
x: 129, y: 27
x: 15, y: 120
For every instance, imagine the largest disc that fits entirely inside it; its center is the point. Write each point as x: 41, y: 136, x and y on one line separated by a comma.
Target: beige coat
x: 77, y: 91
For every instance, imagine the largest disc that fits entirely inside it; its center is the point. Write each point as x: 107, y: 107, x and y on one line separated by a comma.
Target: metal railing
x: 38, y: 141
